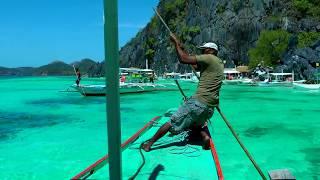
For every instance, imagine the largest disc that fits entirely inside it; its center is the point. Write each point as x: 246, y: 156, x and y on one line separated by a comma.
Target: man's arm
x: 184, y: 57
x: 195, y: 67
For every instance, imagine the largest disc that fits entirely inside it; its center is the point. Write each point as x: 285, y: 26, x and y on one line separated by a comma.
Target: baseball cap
x: 210, y: 45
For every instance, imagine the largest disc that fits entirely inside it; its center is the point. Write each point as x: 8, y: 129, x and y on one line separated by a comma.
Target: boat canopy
x: 172, y: 74
x: 127, y: 71
x: 137, y: 70
x: 281, y: 74
x: 230, y: 71
x: 242, y: 69
x: 186, y: 75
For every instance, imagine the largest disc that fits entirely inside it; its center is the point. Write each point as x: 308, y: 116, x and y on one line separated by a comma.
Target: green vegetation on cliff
x: 270, y: 46
x: 55, y: 68
x: 174, y: 14
x: 307, y: 38
x: 307, y: 7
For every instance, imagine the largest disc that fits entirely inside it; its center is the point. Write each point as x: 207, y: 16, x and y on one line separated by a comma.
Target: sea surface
x: 46, y: 133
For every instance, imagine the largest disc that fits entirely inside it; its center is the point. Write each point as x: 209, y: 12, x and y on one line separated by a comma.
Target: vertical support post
x: 292, y: 75
x: 147, y: 64
x: 112, y: 91
x: 317, y: 68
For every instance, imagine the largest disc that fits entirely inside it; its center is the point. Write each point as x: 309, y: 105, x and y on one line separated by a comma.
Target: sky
x: 37, y: 32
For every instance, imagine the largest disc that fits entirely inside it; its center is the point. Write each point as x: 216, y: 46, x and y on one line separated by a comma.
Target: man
x: 151, y: 79
x: 194, y: 113
x: 78, y: 76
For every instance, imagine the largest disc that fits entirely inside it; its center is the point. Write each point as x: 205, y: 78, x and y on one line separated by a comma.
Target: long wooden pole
x: 161, y: 19
x: 167, y: 27
x: 222, y: 115
x: 112, y: 83
x: 241, y: 144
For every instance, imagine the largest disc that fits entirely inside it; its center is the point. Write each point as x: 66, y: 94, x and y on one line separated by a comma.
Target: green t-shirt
x: 211, y: 76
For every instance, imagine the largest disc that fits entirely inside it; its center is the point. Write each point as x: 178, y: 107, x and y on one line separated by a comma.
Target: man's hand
x: 184, y: 57
x: 174, y: 39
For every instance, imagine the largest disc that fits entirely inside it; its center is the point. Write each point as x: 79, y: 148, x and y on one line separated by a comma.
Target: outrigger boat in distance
x: 125, y: 88
x: 231, y: 76
x: 306, y: 86
x: 275, y: 80
x: 169, y: 158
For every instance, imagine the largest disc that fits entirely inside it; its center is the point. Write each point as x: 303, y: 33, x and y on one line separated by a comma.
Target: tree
x: 150, y: 49
x: 270, y: 47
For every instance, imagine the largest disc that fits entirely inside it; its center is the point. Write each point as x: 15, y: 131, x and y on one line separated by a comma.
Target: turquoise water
x: 47, y: 134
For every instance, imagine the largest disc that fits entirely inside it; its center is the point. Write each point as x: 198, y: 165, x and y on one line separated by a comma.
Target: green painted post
x: 112, y: 91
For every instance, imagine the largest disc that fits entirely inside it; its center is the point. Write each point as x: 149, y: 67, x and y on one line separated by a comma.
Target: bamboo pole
x: 241, y: 144
x: 222, y: 115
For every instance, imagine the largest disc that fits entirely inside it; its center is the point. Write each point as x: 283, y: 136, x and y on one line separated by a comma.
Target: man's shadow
x: 156, y: 172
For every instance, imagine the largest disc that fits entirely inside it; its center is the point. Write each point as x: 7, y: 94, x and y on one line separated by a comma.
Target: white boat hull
x: 275, y: 84
x: 231, y: 82
x: 306, y: 86
x: 124, y: 88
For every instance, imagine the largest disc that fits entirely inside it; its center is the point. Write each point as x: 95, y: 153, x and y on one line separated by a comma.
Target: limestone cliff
x: 235, y: 25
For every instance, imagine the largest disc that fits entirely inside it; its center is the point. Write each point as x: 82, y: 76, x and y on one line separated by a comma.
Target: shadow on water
x: 54, y: 103
x: 66, y: 101
x: 257, y: 98
x: 78, y: 101
x: 245, y: 91
x: 312, y: 155
x: 316, y: 110
x: 263, y: 98
x: 13, y: 122
x: 129, y: 99
x: 259, y: 131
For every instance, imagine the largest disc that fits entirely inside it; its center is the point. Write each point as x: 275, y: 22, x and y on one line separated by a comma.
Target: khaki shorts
x: 190, y: 114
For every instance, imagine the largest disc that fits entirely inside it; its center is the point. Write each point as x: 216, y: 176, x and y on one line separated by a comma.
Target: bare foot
x: 206, y: 143
x: 146, y: 147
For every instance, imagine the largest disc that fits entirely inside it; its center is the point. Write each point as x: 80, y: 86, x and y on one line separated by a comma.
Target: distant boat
x: 171, y: 75
x: 306, y: 86
x: 189, y: 77
x: 124, y: 88
x: 132, y: 80
x: 232, y: 76
x: 246, y: 81
x: 277, y: 79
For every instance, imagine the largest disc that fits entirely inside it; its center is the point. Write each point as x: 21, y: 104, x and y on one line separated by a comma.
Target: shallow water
x: 47, y: 134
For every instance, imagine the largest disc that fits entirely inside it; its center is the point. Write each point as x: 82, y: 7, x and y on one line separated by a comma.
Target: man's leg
x: 205, y: 138
x: 160, y: 133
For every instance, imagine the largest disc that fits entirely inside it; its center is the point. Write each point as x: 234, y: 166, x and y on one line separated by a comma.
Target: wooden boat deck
x: 170, y: 158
